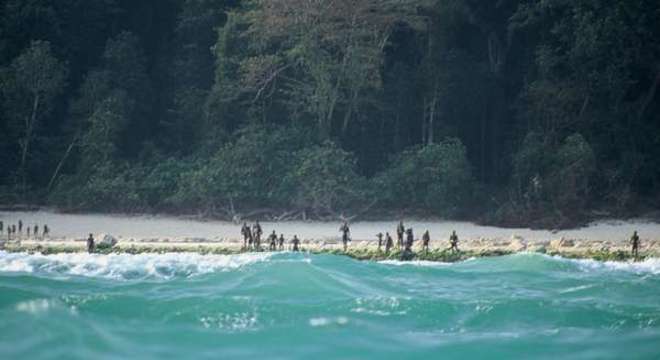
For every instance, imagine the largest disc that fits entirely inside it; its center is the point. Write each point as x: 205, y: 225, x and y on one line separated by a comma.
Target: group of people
x: 407, y: 242
x: 252, y: 239
x: 405, y: 239
x: 14, y: 229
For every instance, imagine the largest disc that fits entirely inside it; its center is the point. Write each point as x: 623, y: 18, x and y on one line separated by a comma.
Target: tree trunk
x: 29, y: 127
x: 650, y: 95
x: 432, y: 114
x: 61, y: 163
x: 349, y: 112
x: 424, y: 120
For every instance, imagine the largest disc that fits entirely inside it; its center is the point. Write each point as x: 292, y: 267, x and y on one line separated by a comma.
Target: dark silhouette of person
x: 388, y: 242
x: 453, y: 241
x: 400, y: 230
x: 36, y: 231
x: 250, y: 238
x: 295, y: 241
x: 28, y: 232
x: 245, y: 231
x: 256, y: 232
x: 90, y: 244
x: 409, y: 240
x: 20, y: 226
x: 2, y: 227
x: 281, y: 241
x: 8, y: 232
x: 46, y: 230
x: 426, y: 238
x: 634, y: 241
x: 380, y: 240
x: 273, y: 241
x: 345, y: 234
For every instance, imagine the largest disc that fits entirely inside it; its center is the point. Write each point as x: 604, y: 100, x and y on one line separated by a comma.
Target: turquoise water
x: 299, y: 306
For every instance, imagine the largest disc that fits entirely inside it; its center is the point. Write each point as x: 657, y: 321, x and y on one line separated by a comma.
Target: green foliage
x: 325, y: 178
x: 231, y: 106
x: 557, y: 177
x: 435, y: 177
x: 29, y: 87
x: 38, y: 72
x: 249, y: 172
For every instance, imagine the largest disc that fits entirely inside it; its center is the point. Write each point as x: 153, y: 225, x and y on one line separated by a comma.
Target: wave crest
x: 126, y: 266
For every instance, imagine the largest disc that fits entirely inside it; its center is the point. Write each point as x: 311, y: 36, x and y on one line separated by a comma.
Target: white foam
x: 379, y: 305
x: 647, y: 266
x: 34, y: 306
x: 424, y: 263
x: 126, y: 266
x: 231, y: 322
x: 651, y: 265
x: 324, y: 321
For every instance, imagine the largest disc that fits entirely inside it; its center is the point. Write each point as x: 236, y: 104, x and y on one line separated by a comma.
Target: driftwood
x: 228, y: 212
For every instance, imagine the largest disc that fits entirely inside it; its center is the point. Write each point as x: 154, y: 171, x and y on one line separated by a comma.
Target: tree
x: 36, y: 77
x: 326, y: 179
x: 331, y: 52
x: 113, y: 109
x: 435, y: 177
x: 190, y: 77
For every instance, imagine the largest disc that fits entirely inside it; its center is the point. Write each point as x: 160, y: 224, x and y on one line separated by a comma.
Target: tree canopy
x: 517, y: 112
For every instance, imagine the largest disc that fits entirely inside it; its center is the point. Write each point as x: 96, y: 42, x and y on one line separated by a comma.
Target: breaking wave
x: 126, y: 266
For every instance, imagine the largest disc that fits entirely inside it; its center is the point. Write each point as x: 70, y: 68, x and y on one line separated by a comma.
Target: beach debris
x: 518, y: 243
x: 107, y: 241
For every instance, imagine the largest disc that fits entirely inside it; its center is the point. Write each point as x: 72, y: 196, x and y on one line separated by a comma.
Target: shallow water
x: 287, y: 305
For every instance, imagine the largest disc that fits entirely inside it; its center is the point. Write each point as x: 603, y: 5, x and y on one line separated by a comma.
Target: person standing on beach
x: 409, y: 240
x: 90, y: 244
x: 46, y: 231
x: 400, y: 230
x: 281, y: 241
x: 453, y: 241
x: 2, y: 225
x: 20, y: 226
x: 380, y: 240
x: 256, y: 232
x: 634, y: 241
x: 295, y: 243
x: 245, y: 231
x: 36, y: 231
x: 388, y: 242
x: 345, y: 234
x: 28, y: 232
x: 250, y: 238
x: 272, y: 246
x: 426, y: 238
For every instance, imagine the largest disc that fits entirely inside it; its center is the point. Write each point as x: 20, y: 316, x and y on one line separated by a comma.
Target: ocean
x: 303, y: 306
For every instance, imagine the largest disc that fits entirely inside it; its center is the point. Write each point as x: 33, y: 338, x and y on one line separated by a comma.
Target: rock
x: 566, y: 242
x: 518, y: 243
x: 542, y: 249
x: 107, y: 241
x: 562, y: 242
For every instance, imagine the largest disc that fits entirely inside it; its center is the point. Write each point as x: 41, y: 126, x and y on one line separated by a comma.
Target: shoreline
x: 388, y: 216
x: 359, y: 250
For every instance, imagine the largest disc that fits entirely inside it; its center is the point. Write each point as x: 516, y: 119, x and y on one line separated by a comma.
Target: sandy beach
x: 164, y: 233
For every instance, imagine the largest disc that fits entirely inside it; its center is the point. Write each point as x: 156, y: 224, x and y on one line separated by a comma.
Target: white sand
x: 166, y: 229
